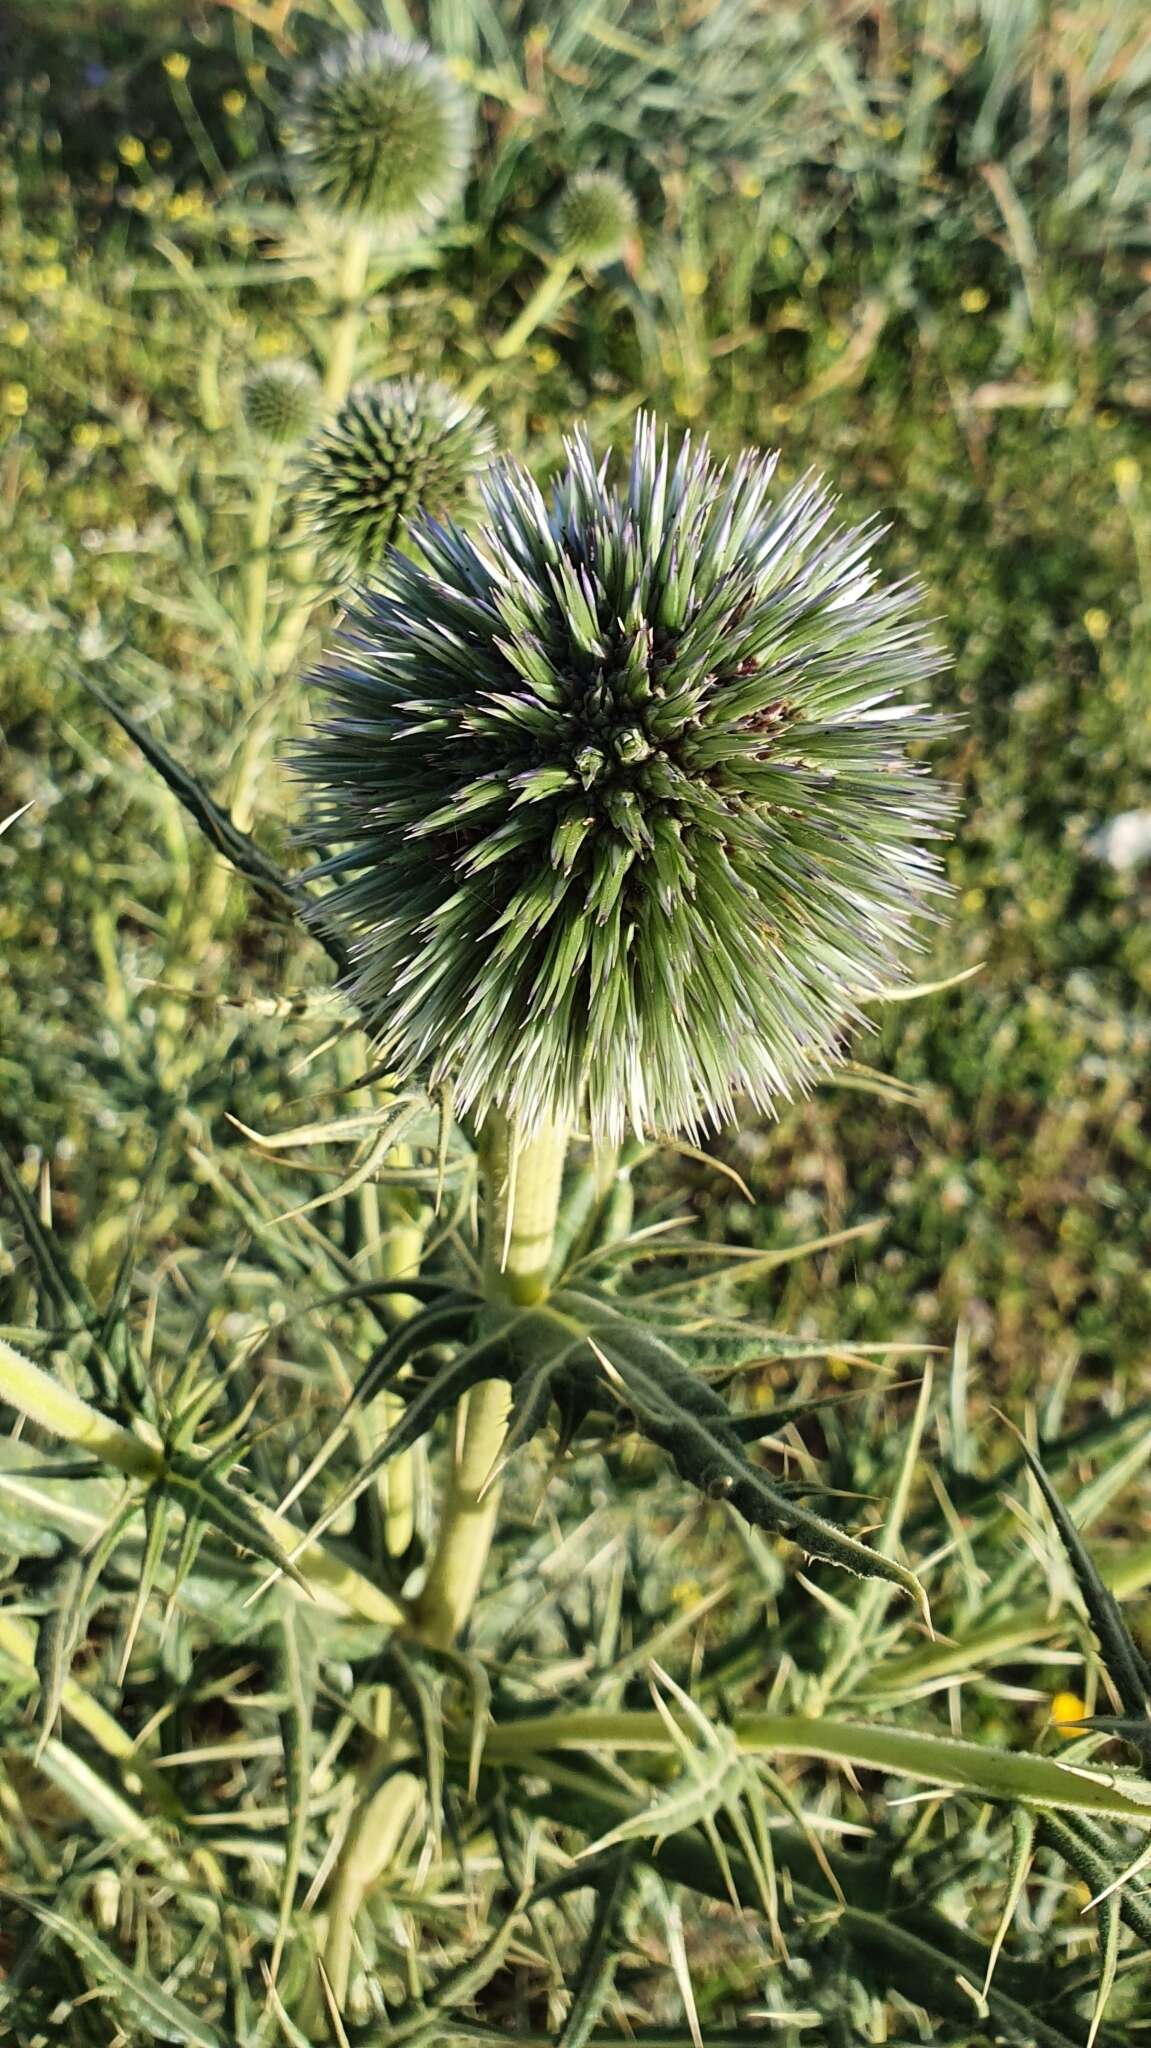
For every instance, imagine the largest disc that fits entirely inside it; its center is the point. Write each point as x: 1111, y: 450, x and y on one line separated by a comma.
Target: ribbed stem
x: 522, y: 1189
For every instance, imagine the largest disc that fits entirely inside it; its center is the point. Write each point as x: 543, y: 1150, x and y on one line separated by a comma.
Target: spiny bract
x: 595, y: 216
x: 623, y: 814
x: 383, y: 133
x: 394, y: 449
x: 279, y: 401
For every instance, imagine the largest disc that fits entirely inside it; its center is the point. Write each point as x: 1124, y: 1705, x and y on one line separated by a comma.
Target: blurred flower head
x: 595, y: 216
x: 393, y: 450
x: 381, y: 133
x: 279, y: 401
x: 624, y: 815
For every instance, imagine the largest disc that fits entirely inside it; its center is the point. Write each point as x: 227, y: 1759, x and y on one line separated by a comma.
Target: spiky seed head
x: 595, y: 216
x: 381, y: 133
x: 279, y: 401
x: 620, y: 788
x: 393, y: 450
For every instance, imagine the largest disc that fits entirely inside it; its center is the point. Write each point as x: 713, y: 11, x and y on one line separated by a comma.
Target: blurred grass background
x: 907, y: 242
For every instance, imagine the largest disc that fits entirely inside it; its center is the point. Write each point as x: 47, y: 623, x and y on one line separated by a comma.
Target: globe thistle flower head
x: 279, y: 401
x: 595, y: 216
x: 624, y: 814
x: 393, y: 450
x: 382, y: 133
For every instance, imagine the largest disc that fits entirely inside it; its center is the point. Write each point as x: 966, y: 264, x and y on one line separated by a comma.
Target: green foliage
x: 907, y: 252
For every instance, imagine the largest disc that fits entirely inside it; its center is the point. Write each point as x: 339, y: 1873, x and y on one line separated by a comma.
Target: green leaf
x: 237, y: 847
x: 296, y: 1679
x: 597, y: 1965
x: 1001, y: 1775
x: 1124, y: 1661
x: 141, y: 2000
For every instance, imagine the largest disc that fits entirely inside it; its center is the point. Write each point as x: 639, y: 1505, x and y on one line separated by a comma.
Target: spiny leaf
x: 226, y: 1511
x: 1124, y: 1661
x: 56, y: 1640
x: 1109, y: 1927
x: 418, y: 1697
x: 237, y: 847
x: 1090, y: 1849
x: 1022, y: 1850
x: 691, y: 1422
x: 597, y: 1965
x: 138, y: 1996
x: 296, y: 1679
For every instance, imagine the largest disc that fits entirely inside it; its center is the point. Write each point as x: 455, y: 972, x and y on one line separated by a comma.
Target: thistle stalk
x: 259, y: 545
x: 351, y: 286
x: 523, y: 1179
x: 544, y: 301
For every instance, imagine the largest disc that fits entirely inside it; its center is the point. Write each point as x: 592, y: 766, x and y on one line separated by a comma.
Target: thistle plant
x: 381, y: 134
x: 622, y: 787
x: 393, y: 449
x: 279, y: 400
x: 595, y: 216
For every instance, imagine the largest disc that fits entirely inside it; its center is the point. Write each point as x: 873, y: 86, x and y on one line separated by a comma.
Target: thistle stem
x: 523, y: 1178
x: 374, y: 1834
x: 339, y: 371
x: 352, y: 285
x: 547, y: 295
x: 256, y: 580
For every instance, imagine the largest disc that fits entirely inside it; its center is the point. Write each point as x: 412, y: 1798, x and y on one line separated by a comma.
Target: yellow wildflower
x: 15, y: 400
x: 1097, y: 622
x: 1066, y: 1709
x: 177, y: 65
x: 131, y: 149
x: 975, y: 299
x: 234, y: 102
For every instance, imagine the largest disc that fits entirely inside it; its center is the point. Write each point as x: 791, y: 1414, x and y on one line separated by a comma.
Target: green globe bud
x: 279, y: 401
x: 595, y: 216
x: 626, y: 817
x: 393, y: 450
x: 382, y: 134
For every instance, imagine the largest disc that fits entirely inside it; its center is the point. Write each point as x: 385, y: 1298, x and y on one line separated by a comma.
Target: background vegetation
x: 905, y: 243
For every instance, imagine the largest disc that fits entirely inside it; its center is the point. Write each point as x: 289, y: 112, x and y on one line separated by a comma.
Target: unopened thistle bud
x: 394, y: 449
x: 624, y: 814
x: 595, y: 216
x: 382, y: 134
x: 279, y: 401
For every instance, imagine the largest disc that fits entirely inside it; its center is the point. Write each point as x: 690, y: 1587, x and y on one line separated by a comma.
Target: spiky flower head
x: 595, y: 216
x: 382, y: 133
x: 279, y: 401
x: 621, y: 795
x: 393, y: 450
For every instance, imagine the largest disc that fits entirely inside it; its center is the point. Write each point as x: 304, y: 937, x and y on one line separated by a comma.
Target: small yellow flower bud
x: 1097, y: 622
x: 177, y: 65
x: 15, y: 400
x: 131, y: 149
